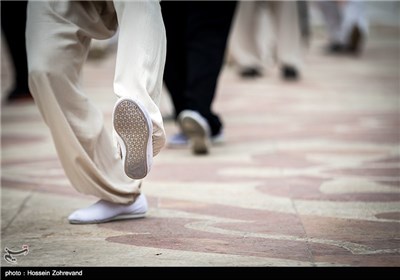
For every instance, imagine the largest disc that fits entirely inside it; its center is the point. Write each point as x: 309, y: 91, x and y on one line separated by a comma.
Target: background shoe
x: 335, y: 48
x: 134, y: 129
x: 196, y: 128
x: 250, y: 72
x: 289, y: 73
x: 104, y: 211
x: 355, y: 43
x: 19, y: 94
x: 180, y: 140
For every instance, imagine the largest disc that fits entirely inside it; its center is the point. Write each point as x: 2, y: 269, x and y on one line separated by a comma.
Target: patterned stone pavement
x: 309, y: 175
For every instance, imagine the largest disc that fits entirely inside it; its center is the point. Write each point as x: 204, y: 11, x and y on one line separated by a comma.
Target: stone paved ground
x: 309, y: 175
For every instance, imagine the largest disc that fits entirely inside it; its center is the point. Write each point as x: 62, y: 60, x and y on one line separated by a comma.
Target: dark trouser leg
x: 13, y: 23
x: 208, y: 28
x: 174, y: 16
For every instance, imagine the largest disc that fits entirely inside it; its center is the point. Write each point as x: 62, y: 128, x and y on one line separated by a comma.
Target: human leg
x: 243, y: 45
x: 175, y: 20
x: 333, y: 20
x: 354, y: 28
x: 207, y: 33
x: 289, y: 42
x: 57, y: 48
x: 13, y: 22
x: 208, y: 26
x: 141, y: 59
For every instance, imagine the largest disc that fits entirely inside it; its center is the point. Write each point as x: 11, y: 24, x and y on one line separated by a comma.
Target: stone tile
x: 351, y: 242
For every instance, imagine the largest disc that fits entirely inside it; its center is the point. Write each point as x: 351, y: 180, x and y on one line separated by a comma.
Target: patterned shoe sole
x: 196, y: 134
x: 134, y: 131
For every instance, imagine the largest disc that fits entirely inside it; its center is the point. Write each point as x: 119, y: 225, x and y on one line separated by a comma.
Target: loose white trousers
x: 58, y: 39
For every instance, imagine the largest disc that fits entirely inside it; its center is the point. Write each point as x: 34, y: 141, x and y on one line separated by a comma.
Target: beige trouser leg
x: 333, y: 18
x: 141, y: 59
x: 248, y: 35
x: 58, y: 37
x: 288, y: 37
x: 255, y: 45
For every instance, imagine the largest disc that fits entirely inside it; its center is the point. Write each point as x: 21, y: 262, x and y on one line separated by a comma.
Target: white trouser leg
x: 141, y: 58
x: 243, y: 44
x: 58, y: 36
x: 289, y: 43
x: 353, y: 15
x: 333, y: 19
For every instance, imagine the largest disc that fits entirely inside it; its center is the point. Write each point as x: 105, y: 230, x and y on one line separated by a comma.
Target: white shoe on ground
x: 196, y: 128
x: 133, y: 130
x: 104, y: 211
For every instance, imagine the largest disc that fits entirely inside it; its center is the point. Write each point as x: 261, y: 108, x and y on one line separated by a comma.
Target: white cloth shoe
x: 133, y: 130
x: 104, y: 211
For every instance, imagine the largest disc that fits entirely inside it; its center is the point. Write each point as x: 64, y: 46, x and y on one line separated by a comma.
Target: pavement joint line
x: 21, y: 207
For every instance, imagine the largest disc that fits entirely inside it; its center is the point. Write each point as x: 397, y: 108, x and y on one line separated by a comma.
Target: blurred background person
x: 266, y: 32
x: 197, y: 33
x: 347, y: 26
x: 13, y: 24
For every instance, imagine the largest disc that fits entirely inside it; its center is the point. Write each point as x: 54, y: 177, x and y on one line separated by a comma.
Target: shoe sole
x: 197, y: 135
x: 116, y: 218
x: 133, y: 129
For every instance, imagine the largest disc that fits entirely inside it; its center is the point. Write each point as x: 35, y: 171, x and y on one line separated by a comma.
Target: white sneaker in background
x: 196, y: 128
